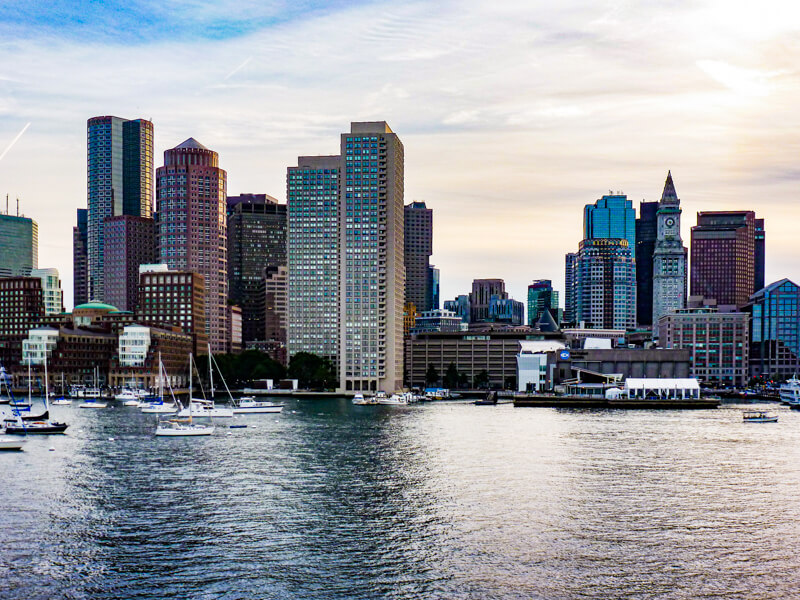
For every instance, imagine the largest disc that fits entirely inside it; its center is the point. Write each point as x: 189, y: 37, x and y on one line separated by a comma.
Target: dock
x: 582, y: 402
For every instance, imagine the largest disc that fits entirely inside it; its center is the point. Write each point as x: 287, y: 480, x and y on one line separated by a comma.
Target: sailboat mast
x: 29, y: 378
x: 210, y: 371
x: 190, y: 388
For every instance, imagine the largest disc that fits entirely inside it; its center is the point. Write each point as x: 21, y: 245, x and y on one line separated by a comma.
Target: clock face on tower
x: 670, y: 222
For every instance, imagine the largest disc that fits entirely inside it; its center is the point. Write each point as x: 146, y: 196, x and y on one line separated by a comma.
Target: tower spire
x: 669, y: 196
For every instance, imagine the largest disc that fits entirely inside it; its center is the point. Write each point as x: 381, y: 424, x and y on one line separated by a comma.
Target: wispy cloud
x: 529, y: 111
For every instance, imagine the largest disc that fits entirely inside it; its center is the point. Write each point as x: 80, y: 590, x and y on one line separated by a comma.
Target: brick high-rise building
x: 21, y: 307
x: 312, y: 197
x: 129, y: 242
x: 418, y: 249
x: 191, y: 197
x: 175, y: 298
x: 256, y: 243
x: 80, y: 273
x: 119, y: 181
x: 723, y: 265
x: 371, y: 240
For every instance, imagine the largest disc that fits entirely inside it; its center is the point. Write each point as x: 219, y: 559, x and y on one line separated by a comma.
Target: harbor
x: 343, y: 502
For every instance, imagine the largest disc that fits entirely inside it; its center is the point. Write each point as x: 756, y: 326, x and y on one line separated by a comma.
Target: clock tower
x: 669, y: 257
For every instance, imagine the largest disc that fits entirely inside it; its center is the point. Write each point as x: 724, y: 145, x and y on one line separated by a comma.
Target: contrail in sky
x: 15, y: 140
x: 239, y: 68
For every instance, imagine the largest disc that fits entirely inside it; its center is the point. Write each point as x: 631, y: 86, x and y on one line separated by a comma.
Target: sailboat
x: 4, y: 377
x: 34, y: 425
x: 245, y: 404
x: 206, y: 408
x: 158, y: 405
x: 63, y: 400
x: 184, y: 427
x: 93, y: 393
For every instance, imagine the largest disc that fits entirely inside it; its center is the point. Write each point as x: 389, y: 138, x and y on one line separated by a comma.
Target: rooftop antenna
x: 6, y: 203
x: 17, y: 205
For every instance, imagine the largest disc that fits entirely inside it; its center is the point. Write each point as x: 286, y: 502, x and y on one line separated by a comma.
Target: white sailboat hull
x: 184, y: 430
x: 8, y: 443
x: 258, y: 409
x: 93, y: 405
x: 159, y: 409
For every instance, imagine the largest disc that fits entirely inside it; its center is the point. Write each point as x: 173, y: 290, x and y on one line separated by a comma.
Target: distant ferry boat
x: 790, y: 391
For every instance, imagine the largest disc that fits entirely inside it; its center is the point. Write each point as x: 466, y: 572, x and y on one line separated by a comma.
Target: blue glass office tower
x: 611, y: 217
x: 775, y: 330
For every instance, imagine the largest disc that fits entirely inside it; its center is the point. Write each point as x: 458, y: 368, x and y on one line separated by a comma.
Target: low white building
x: 39, y: 345
x: 134, y: 344
x: 52, y: 294
x: 661, y: 389
x: 532, y: 364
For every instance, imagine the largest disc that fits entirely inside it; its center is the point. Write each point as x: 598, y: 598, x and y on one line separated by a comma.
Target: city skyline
x: 717, y: 112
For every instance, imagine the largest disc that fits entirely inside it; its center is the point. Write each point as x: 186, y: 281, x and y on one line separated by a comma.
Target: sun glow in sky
x: 513, y: 114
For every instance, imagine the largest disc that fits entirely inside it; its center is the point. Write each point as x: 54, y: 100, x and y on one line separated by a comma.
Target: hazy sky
x: 513, y: 114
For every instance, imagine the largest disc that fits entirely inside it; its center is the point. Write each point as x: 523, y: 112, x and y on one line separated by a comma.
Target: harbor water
x: 448, y: 500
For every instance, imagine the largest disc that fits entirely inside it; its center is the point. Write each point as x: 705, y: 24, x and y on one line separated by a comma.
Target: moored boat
x: 9, y: 443
x: 790, y: 392
x: 175, y: 427
x: 249, y: 405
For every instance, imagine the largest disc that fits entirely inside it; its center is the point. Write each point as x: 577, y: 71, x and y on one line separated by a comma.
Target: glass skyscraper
x: 775, y: 330
x: 119, y: 181
x: 541, y: 297
x: 19, y: 246
x: 610, y: 217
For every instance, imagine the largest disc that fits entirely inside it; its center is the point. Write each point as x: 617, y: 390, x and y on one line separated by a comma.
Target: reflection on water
x: 329, y: 500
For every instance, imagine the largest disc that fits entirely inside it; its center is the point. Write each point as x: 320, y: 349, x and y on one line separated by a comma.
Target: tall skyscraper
x: 418, y: 250
x: 191, y: 191
x: 119, y: 165
x: 19, y: 246
x: 541, y: 297
x: 723, y: 265
x: 130, y: 242
x: 371, y: 258
x: 646, y: 234
x: 256, y: 243
x: 611, y: 216
x: 80, y: 273
x: 760, y: 255
x: 669, y: 257
x: 605, y: 284
x: 312, y: 248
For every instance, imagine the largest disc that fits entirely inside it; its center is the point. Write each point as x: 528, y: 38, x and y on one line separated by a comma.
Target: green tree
x: 451, y: 377
x: 482, y: 379
x: 312, y: 371
x: 432, y: 375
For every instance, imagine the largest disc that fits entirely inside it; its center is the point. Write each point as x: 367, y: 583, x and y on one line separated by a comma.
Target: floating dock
x: 581, y: 402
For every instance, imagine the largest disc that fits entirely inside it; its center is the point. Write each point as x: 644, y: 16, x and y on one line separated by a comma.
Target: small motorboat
x: 9, y: 443
x: 61, y: 401
x: 248, y: 405
x: 759, y: 416
x: 360, y: 400
x: 393, y: 400
x: 180, y: 428
x: 489, y: 399
x: 93, y: 404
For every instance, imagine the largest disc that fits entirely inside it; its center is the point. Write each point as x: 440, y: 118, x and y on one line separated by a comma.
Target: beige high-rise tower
x: 372, y: 271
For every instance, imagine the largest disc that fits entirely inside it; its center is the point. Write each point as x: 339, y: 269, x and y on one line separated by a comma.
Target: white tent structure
x: 661, y: 389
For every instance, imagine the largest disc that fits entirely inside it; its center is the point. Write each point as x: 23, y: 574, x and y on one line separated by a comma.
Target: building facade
x: 21, y: 308
x: 610, y: 217
x: 312, y: 196
x: 119, y: 181
x: 175, y: 298
x: 460, y: 306
x: 192, y: 235
x: 760, y: 256
x: 723, y: 262
x: 372, y: 282
x: 52, y: 294
x: 541, y: 297
x: 433, y: 286
x: 418, y: 224
x: 437, y: 320
x: 669, y: 257
x: 256, y: 243
x: 646, y: 235
x: 483, y: 290
x: 80, y: 273
x: 716, y: 338
x: 130, y: 241
x: 775, y: 331
x: 570, y: 287
x: 19, y: 246
x: 605, y: 284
